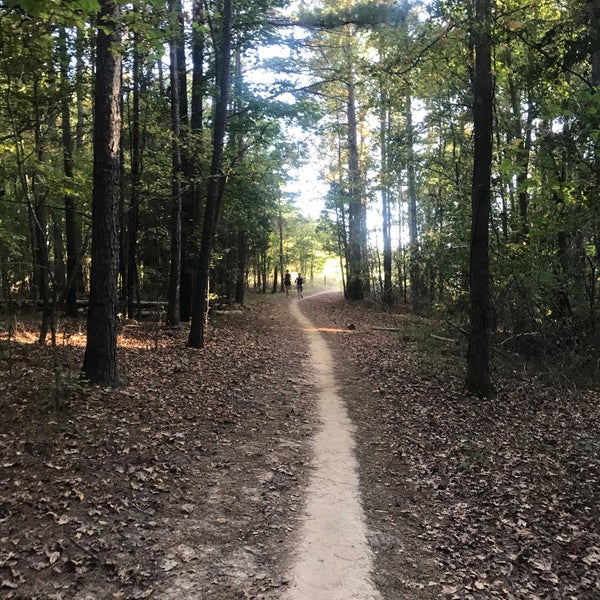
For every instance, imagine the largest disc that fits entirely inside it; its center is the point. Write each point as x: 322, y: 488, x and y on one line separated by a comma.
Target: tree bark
x: 72, y: 218
x: 357, y: 281
x: 415, y: 264
x: 242, y: 261
x: 173, y: 309
x: 100, y: 359
x: 187, y: 167
x: 133, y: 217
x: 386, y: 226
x: 478, y: 379
x: 40, y: 217
x: 281, y: 255
x: 216, y: 183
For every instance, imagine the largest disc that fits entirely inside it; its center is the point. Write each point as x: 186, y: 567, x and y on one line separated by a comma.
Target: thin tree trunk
x: 40, y: 218
x: 242, y: 259
x: 79, y: 92
x: 136, y: 174
x: 281, y: 256
x: 198, y: 76
x: 72, y: 218
x: 216, y: 183
x: 186, y: 185
x: 415, y: 264
x: 122, y: 273
x: 522, y: 132
x: 173, y: 308
x: 593, y: 14
x: 386, y: 228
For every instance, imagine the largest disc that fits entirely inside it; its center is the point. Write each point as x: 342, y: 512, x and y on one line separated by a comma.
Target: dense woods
x: 147, y: 150
x: 163, y: 163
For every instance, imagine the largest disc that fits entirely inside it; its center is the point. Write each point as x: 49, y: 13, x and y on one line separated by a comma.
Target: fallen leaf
x: 169, y: 564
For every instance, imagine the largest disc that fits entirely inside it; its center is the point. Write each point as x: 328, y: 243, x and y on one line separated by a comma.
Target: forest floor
x: 189, y: 481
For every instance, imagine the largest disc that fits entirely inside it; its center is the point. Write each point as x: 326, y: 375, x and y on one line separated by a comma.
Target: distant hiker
x: 299, y: 284
x: 287, y: 282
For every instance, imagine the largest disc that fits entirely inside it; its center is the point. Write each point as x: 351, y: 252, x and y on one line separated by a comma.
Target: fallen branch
x: 458, y: 327
x: 444, y: 339
x: 518, y: 335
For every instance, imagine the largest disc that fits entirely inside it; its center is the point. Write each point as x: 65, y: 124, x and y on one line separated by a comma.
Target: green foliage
x: 410, y: 68
x: 361, y: 14
x: 67, y: 12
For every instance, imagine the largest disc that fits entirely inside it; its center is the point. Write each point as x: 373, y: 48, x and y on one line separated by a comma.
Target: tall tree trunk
x: 40, y: 216
x: 386, y: 228
x: 198, y: 76
x: 198, y: 95
x: 100, y: 359
x: 186, y: 185
x: 415, y: 264
x: 72, y: 218
x: 173, y: 308
x: 523, y: 133
x: 133, y: 216
x: 478, y: 379
x: 281, y: 255
x: 216, y: 183
x: 59, y: 276
x: 594, y: 28
x: 122, y: 272
x: 593, y: 13
x: 357, y: 279
x: 80, y: 67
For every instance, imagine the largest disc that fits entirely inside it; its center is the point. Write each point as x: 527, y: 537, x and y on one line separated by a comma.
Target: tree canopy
x: 388, y: 91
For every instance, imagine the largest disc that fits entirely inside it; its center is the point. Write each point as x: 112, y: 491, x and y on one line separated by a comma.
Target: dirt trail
x: 333, y: 560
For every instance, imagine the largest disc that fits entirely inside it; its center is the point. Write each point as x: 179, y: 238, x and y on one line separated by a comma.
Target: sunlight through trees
x: 380, y: 97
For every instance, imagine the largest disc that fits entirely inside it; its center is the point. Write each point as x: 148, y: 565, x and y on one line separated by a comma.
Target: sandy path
x: 333, y: 560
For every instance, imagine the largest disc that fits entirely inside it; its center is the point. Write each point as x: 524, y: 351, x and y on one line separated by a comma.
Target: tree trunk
x: 133, y: 214
x: 415, y: 264
x: 357, y: 281
x: 122, y: 272
x: 198, y: 76
x: 72, y: 218
x: 80, y: 68
x: 478, y: 379
x: 281, y: 255
x: 173, y: 309
x: 216, y: 183
x: 40, y: 219
x: 386, y: 226
x: 523, y: 133
x: 242, y: 259
x: 187, y: 184
x: 593, y: 15
x: 100, y: 359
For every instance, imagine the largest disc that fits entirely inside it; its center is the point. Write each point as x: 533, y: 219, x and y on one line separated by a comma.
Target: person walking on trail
x: 299, y: 285
x: 287, y: 282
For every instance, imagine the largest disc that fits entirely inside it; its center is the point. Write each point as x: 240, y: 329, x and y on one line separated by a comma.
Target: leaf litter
x: 467, y: 498
x: 182, y: 483
x: 188, y: 481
